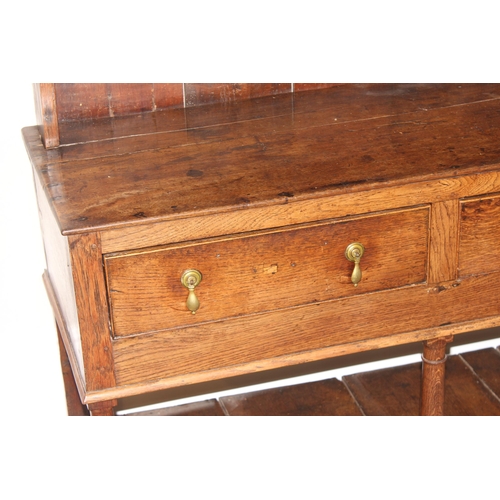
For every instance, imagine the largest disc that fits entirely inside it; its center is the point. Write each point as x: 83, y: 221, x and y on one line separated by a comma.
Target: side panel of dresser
x: 58, y: 280
x: 75, y: 285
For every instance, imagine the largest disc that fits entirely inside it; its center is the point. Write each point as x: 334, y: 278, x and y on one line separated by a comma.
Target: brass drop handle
x: 353, y: 253
x: 191, y: 279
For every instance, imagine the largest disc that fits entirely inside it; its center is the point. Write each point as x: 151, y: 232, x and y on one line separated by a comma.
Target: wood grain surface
x: 433, y: 376
x: 46, y: 114
x: 396, y: 391
x: 479, y: 236
x: 79, y: 101
x: 322, y: 398
x: 486, y: 365
x: 346, y: 155
x: 270, y: 340
x: 263, y: 195
x: 91, y: 300
x: 292, y: 211
x: 265, y: 272
x: 209, y: 93
x: 391, y: 391
x: 443, y: 253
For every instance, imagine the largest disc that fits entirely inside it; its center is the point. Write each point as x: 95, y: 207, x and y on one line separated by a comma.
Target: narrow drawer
x: 255, y: 273
x: 479, y: 250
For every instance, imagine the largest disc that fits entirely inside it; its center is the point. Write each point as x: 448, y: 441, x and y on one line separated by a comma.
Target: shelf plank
x: 326, y: 397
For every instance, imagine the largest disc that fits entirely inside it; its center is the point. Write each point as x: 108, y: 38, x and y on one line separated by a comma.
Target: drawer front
x: 255, y: 273
x: 479, y: 250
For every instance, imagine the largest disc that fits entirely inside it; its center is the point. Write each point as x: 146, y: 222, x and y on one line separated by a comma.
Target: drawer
x: 479, y: 250
x: 255, y: 273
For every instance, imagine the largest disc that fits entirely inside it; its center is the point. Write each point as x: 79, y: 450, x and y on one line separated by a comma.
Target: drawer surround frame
x: 97, y: 380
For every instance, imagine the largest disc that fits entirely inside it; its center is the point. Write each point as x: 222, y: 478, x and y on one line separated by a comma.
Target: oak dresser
x: 192, y: 236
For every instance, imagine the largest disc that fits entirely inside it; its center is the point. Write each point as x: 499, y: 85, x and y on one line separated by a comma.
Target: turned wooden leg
x: 433, y: 369
x: 103, y: 408
x: 73, y: 403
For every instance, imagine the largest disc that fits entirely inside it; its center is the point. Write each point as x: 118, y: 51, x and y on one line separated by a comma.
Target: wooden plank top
x: 268, y: 151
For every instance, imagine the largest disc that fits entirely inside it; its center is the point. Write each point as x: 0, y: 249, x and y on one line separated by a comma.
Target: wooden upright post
x: 433, y: 371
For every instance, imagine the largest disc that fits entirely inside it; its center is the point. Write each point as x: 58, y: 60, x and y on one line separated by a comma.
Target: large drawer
x: 479, y: 251
x: 254, y: 273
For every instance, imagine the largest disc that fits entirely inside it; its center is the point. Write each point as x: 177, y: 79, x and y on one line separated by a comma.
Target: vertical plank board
x: 46, y: 114
x: 168, y: 95
x: 92, y: 306
x: 443, y: 248
x: 207, y: 93
x: 129, y: 98
x: 80, y: 101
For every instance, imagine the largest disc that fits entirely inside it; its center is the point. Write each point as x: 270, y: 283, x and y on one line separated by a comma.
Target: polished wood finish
x: 245, y: 189
x: 433, y: 372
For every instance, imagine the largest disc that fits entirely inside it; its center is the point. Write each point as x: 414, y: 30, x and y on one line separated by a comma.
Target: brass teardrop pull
x: 353, y: 253
x: 191, y: 279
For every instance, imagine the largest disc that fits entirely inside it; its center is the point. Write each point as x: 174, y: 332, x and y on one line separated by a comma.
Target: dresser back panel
x: 57, y: 103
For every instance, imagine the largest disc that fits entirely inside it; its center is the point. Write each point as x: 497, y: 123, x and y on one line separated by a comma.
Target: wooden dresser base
x: 261, y: 200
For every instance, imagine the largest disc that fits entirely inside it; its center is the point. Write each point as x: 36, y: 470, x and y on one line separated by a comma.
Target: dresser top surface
x: 273, y: 150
